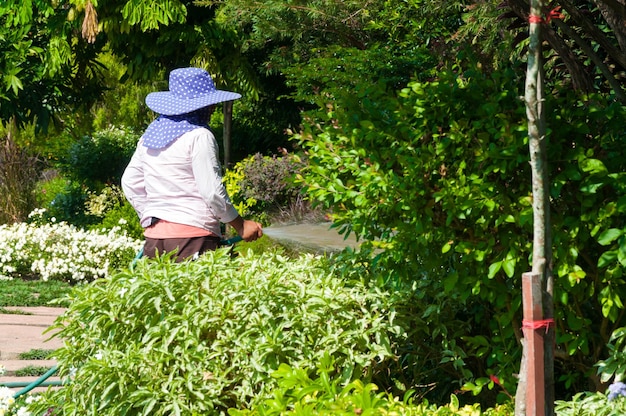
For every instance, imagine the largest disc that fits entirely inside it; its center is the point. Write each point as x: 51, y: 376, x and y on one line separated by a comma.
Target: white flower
x: 22, y: 411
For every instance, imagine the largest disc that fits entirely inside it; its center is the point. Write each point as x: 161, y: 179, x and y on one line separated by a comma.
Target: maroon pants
x: 183, y: 248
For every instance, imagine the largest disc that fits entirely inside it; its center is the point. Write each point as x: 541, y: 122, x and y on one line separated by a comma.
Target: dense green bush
x: 84, y: 187
x: 200, y: 337
x: 437, y: 178
x: 69, y: 205
x: 264, y: 186
x: 99, y: 159
x: 299, y: 394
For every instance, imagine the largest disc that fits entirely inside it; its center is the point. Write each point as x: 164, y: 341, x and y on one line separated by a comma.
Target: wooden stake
x: 228, y: 121
x: 533, y: 312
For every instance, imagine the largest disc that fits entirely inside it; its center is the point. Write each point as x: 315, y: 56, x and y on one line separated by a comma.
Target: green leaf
x: 610, y: 235
x: 446, y: 247
x: 621, y: 251
x: 607, y: 258
x: 450, y: 281
x: 594, y: 166
x: 494, y: 268
x: 508, y: 265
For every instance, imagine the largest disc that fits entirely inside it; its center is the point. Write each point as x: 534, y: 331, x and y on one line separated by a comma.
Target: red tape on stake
x: 540, y: 323
x: 553, y: 14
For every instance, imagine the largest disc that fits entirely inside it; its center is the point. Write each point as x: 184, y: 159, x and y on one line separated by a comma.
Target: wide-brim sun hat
x: 190, y: 89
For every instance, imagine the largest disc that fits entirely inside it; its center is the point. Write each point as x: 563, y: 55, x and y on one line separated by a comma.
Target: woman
x: 174, y: 178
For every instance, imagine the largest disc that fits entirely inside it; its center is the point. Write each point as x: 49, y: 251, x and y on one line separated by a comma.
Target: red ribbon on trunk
x: 553, y: 14
x: 540, y: 323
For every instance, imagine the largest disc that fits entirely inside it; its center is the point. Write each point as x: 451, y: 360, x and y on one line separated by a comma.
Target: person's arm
x: 207, y: 171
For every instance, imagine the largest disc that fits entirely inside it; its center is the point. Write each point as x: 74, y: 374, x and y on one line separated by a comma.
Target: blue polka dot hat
x: 189, y: 89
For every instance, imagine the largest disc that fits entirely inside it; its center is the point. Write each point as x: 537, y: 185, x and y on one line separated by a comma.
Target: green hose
x: 40, y: 382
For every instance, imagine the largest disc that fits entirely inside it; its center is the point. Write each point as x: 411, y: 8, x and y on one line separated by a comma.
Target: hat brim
x: 164, y: 102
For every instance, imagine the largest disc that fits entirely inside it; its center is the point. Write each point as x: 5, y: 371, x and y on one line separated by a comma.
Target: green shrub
x: 264, y: 186
x: 31, y: 371
x: 437, y: 177
x: 69, y: 205
x: 122, y: 215
x: 36, y: 354
x: 99, y: 159
x: 591, y: 404
x: 61, y: 199
x: 51, y: 184
x: 298, y: 394
x: 200, y: 337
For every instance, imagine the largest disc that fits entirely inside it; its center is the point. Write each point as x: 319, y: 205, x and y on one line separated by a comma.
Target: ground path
x: 22, y: 330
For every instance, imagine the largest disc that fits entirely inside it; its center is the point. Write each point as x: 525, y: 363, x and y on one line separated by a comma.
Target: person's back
x: 174, y: 178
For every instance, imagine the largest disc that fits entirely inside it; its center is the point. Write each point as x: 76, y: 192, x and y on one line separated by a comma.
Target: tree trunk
x: 542, y: 245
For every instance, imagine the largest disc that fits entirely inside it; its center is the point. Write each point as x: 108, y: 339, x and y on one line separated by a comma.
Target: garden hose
x: 40, y: 382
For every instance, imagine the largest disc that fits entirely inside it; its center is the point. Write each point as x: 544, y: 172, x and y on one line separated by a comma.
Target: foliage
x: 298, y: 394
x: 263, y: 185
x: 122, y: 102
x: 437, y: 178
x: 584, y: 41
x: 330, y: 71
x: 614, y: 366
x: 63, y: 252
x: 293, y: 28
x: 121, y: 215
x: 232, y: 181
x: 591, y: 404
x: 48, y: 187
x: 45, y: 68
x: 99, y: 159
x: 269, y: 179
x: 156, y: 36
x: 18, y: 174
x: 82, y: 191
x: 201, y: 337
x: 65, y: 200
x: 69, y: 205
x: 32, y: 371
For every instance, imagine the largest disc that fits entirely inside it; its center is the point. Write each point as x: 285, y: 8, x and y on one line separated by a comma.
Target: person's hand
x: 247, y: 229
x: 251, y: 230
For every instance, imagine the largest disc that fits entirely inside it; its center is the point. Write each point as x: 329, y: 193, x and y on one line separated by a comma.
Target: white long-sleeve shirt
x: 181, y: 183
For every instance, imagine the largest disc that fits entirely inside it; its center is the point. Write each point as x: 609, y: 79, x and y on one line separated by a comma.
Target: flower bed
x: 62, y: 251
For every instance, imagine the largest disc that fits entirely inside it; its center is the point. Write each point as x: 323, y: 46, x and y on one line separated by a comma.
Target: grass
x: 19, y: 292
x: 36, y: 354
x: 32, y: 371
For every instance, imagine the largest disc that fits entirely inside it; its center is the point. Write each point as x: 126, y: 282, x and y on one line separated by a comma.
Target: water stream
x: 317, y: 238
